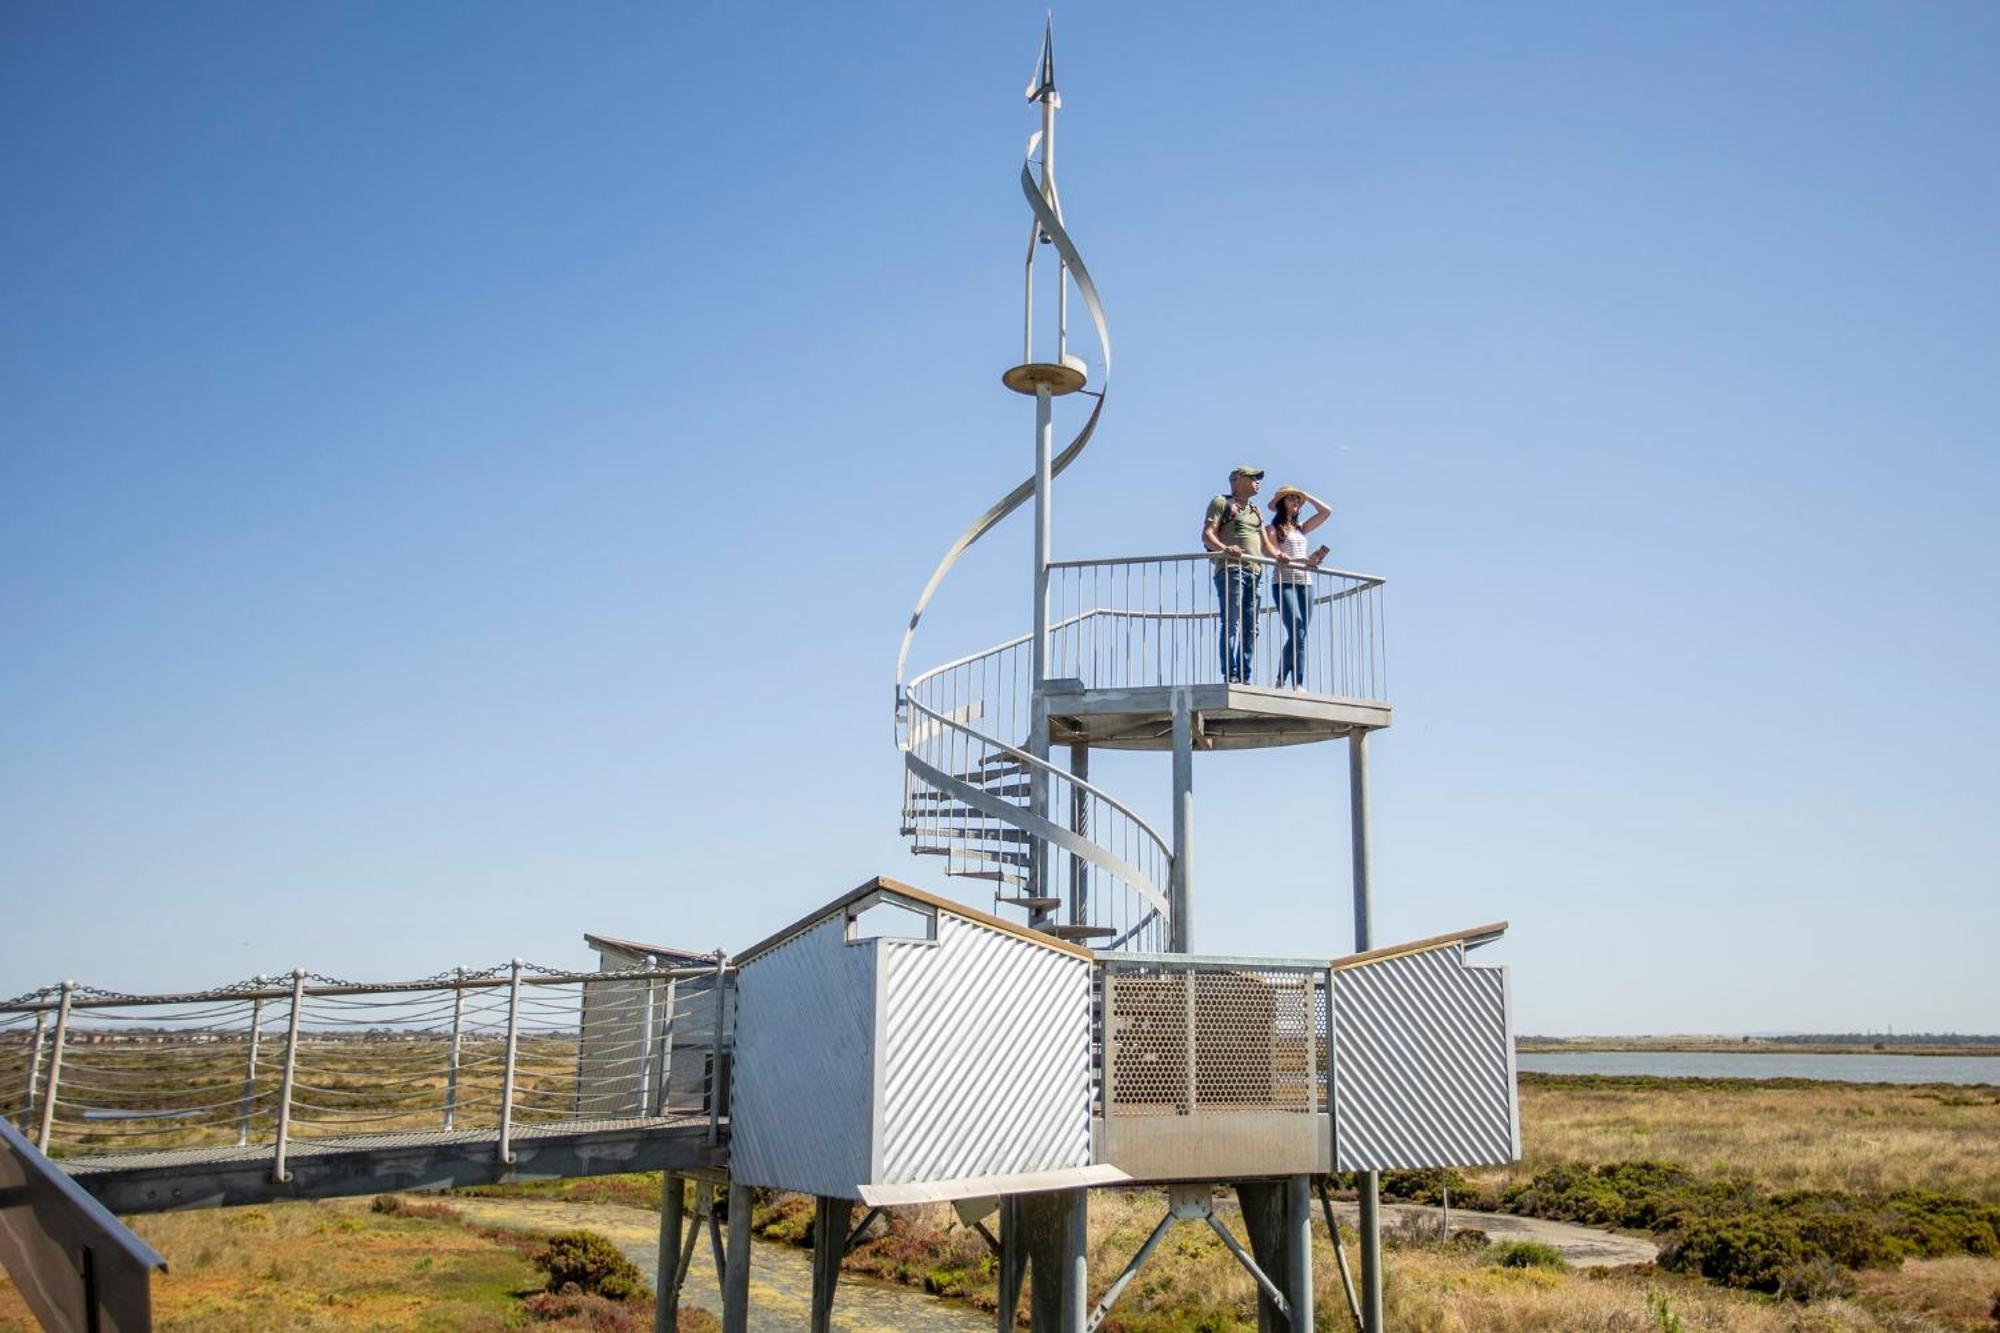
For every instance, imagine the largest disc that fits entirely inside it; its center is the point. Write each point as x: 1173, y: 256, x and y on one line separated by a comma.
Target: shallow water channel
x: 780, y: 1275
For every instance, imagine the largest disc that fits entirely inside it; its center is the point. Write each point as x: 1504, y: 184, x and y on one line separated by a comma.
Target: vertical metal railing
x: 87, y: 1071
x: 289, y: 1078
x: 52, y: 1089
x: 28, y: 1117
x: 456, y: 1053
x: 715, y: 1051
x: 249, y: 1108
x: 1151, y: 621
x: 508, y: 1069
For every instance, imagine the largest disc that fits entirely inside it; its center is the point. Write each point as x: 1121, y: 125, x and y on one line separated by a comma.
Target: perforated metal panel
x: 1196, y: 1039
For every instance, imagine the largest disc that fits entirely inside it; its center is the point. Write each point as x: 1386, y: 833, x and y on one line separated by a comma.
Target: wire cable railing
x: 273, y: 1063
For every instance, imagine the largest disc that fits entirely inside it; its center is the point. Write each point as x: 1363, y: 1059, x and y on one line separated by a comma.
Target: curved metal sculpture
x: 972, y: 787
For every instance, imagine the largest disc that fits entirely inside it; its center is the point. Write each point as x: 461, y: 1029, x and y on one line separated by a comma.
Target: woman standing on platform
x: 1285, y: 542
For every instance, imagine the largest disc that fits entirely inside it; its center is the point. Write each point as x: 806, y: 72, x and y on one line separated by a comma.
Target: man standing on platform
x: 1234, y: 531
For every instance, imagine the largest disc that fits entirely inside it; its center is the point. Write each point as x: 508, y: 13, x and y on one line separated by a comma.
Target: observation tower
x: 1120, y: 653
x: 1004, y: 1056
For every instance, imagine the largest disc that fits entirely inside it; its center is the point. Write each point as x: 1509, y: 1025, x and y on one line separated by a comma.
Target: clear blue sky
x: 464, y: 469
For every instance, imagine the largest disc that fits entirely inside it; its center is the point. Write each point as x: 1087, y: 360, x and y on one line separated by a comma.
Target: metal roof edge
x: 1471, y: 939
x: 898, y: 889
x: 660, y: 951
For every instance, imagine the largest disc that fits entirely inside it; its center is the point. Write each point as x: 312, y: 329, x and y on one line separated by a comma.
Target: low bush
x: 395, y: 1205
x: 1430, y: 1186
x: 1528, y: 1254
x: 590, y: 1263
x: 1935, y: 1225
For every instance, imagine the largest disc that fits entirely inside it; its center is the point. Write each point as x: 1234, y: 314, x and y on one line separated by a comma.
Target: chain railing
x: 275, y: 1062
x: 1160, y: 620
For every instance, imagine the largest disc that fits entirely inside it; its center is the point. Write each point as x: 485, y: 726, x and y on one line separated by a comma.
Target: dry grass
x: 342, y: 1267
x: 1960, y: 1293
x: 1865, y: 1138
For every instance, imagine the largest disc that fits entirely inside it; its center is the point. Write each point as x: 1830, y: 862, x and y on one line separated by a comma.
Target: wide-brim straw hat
x: 1282, y: 492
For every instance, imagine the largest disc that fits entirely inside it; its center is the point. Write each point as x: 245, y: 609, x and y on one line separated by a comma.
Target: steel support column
x: 1298, y: 1251
x: 1180, y: 883
x: 667, y: 1267
x: 1038, y: 734
x: 736, y: 1275
x: 830, y: 1219
x: 1013, y: 1262
x: 1368, y: 1183
x: 1056, y: 1226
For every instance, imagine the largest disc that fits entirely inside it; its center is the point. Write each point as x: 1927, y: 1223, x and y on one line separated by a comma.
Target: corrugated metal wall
x: 985, y: 1056
x: 801, y: 1109
x: 1423, y: 1064
x: 616, y: 1059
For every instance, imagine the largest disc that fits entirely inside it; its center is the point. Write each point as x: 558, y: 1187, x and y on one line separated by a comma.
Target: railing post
x: 49, y: 1093
x: 457, y: 1038
x: 278, y: 1171
x: 661, y: 1106
x: 715, y: 1056
x: 250, y: 1066
x: 507, y: 1068
x: 28, y: 1117
x: 648, y: 1048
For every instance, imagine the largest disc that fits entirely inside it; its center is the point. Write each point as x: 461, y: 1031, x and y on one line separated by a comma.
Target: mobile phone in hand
x: 1320, y: 554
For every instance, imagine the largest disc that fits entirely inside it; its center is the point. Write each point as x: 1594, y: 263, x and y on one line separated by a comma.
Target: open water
x: 1973, y: 1069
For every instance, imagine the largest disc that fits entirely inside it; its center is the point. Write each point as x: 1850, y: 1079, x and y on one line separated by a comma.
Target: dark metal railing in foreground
x: 274, y: 1062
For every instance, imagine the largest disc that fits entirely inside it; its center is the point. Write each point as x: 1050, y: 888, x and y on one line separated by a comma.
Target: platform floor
x: 374, y: 1163
x: 1227, y: 717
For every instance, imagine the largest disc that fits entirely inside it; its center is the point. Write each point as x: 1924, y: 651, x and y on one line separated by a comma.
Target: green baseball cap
x: 1245, y: 470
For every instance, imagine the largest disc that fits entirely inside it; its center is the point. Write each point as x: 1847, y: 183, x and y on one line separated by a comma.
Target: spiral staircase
x: 1127, y: 661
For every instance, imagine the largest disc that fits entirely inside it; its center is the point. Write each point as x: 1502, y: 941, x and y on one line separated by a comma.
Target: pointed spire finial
x: 1042, y: 83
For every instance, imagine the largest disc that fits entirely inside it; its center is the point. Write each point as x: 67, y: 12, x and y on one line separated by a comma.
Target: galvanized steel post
x: 278, y: 1172
x: 715, y: 1055
x: 507, y: 1068
x: 457, y: 1038
x: 28, y: 1117
x: 1038, y: 735
x: 662, y: 1106
x: 249, y: 1107
x: 1180, y: 883
x: 1299, y: 1252
x: 49, y: 1093
x: 736, y: 1279
x: 1368, y: 1183
x: 666, y: 1266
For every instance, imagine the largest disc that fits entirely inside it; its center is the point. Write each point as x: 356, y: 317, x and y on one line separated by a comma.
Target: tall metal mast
x: 1046, y: 380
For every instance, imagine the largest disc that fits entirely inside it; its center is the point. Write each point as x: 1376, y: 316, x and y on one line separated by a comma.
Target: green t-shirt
x: 1237, y: 523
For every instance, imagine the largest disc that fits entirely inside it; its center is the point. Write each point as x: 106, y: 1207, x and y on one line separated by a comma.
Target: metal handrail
x: 1015, y: 752
x: 1372, y: 580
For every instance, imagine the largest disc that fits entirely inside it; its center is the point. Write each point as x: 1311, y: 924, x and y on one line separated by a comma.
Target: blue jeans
x: 1295, y: 608
x: 1236, y: 599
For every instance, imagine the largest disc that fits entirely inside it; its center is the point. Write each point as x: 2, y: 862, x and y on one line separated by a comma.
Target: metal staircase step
x: 998, y: 833
x: 992, y: 771
x: 1032, y: 904
x: 991, y: 857
x: 1068, y: 932
x: 996, y: 788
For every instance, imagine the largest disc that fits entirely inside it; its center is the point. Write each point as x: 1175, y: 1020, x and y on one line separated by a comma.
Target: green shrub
x: 1935, y: 1225
x: 1428, y: 1186
x: 1746, y: 1250
x: 590, y: 1263
x: 1528, y: 1254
